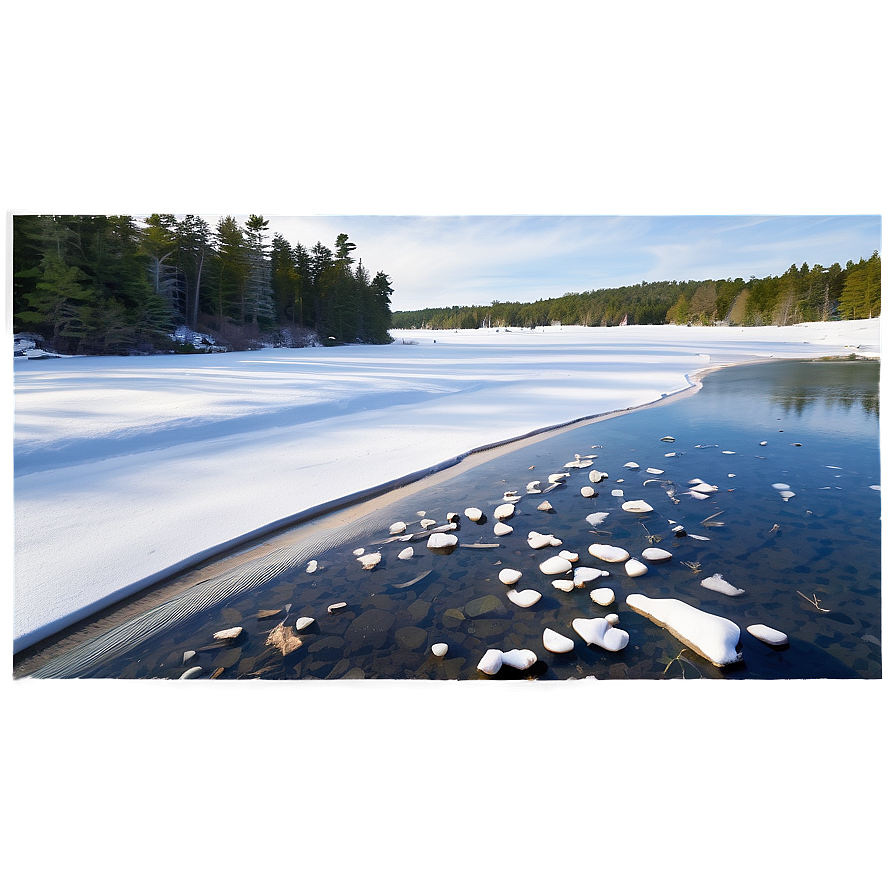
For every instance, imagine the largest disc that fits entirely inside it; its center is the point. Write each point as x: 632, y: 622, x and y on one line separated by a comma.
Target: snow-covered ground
x: 127, y: 469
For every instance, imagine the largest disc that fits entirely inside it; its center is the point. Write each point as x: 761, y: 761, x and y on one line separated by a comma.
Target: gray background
x: 375, y: 107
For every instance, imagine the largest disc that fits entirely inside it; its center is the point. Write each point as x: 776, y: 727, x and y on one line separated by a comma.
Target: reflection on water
x: 809, y: 565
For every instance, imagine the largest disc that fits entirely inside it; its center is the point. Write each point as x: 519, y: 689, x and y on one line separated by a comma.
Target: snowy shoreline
x: 129, y: 470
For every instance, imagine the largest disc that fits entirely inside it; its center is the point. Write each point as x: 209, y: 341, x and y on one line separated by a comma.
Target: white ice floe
x: 502, y: 529
x: 303, y: 622
x: 509, y: 576
x: 441, y: 540
x: 555, y: 642
x: 705, y: 488
x: 439, y: 649
x: 572, y: 556
x: 586, y: 491
x: 608, y: 553
x: 631, y: 465
x: 536, y: 541
x: 546, y: 506
x: 780, y: 486
x: 767, y: 635
x: 713, y: 637
x: 192, y: 673
x: 533, y: 488
x: 525, y: 598
x: 555, y: 566
x: 504, y: 511
x: 601, y: 632
x: 657, y: 555
x: 557, y: 478
x: 311, y: 566
x: 787, y: 495
x: 227, y: 634
x: 428, y: 523
x: 655, y: 472
x: 617, y: 493
x: 566, y: 585
x: 595, y: 519
x: 637, y: 507
x: 397, y: 528
x: 584, y: 574
x: 603, y: 596
x: 493, y: 659
x: 474, y: 514
x: 596, y: 476
x: 635, y: 568
x: 369, y: 561
x: 717, y: 583
x: 406, y: 554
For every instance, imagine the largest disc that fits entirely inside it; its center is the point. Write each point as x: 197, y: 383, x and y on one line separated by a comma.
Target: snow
x: 129, y: 469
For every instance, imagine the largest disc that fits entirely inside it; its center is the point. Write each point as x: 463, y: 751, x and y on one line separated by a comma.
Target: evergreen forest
x: 798, y: 295
x: 98, y: 284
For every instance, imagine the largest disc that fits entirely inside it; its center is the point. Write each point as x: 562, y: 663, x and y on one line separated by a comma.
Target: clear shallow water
x: 809, y: 566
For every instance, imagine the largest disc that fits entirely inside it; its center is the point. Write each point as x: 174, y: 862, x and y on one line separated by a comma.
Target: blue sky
x: 436, y: 261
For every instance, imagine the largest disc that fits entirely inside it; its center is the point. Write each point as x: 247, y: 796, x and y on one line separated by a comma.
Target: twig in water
x: 653, y: 539
x: 681, y: 660
x: 774, y: 529
x: 707, y: 522
x: 813, y: 600
x: 692, y: 565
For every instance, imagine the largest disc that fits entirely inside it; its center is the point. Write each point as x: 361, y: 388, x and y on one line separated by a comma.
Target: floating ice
x: 524, y: 598
x: 335, y: 608
x: 667, y: 439
x: 637, y: 507
x: 657, y: 555
x: 655, y: 472
x: 474, y: 514
x: 617, y: 493
x: 227, y: 633
x: 504, y: 511
x: 608, y: 553
x: 439, y: 649
x: 572, y: 556
x: 596, y: 476
x: 767, y: 635
x: 555, y: 642
x: 516, y: 659
x: 601, y: 632
x: 509, y: 576
x: 441, y: 540
x: 595, y: 519
x: 406, y: 554
x: 635, y: 568
x: 502, y: 529
x: 717, y: 583
x: 603, y: 596
x: 369, y: 561
x: 631, y: 465
x: 536, y: 541
x: 303, y: 622
x: 587, y: 491
x: 397, y: 528
x: 427, y: 523
x: 563, y: 584
x: 713, y: 637
x: 554, y: 566
x: 780, y: 486
x: 534, y: 488
x: 705, y: 488
x: 557, y: 478
x: 546, y: 506
x: 787, y: 495
x: 311, y: 567
x: 584, y: 574
x: 192, y: 673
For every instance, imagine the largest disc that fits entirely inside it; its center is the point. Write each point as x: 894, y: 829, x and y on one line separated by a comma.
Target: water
x: 810, y: 566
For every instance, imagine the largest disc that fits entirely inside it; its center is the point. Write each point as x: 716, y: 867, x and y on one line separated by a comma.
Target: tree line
x: 112, y: 284
x: 798, y: 295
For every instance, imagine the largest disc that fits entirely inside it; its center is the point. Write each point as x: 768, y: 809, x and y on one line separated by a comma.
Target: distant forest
x: 97, y: 284
x: 796, y: 296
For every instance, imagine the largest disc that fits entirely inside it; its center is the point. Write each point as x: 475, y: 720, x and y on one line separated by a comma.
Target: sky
x: 444, y: 260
